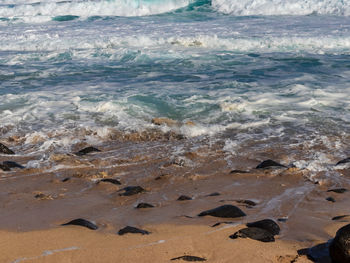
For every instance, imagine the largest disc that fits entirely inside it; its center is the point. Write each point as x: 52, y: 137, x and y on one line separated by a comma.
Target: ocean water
x: 251, y: 74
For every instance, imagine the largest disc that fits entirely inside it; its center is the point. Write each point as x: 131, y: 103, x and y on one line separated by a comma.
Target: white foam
x: 282, y: 7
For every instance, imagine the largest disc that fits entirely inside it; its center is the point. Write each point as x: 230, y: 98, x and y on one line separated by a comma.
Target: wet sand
x: 66, y: 186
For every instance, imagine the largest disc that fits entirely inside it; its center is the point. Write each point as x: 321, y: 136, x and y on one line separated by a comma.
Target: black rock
x: 144, y: 205
x: 190, y: 258
x: 269, y: 164
x: 131, y: 190
x: 110, y: 180
x: 318, y: 253
x: 184, y: 198
x: 224, y: 211
x: 330, y: 199
x: 219, y: 223
x: 82, y: 222
x: 347, y: 160
x: 5, y: 168
x: 338, y: 190
x: 87, y: 150
x: 282, y: 219
x: 247, y: 202
x: 339, y: 249
x: 214, y: 194
x: 254, y: 233
x: 266, y: 224
x: 65, y: 179
x: 339, y: 217
x: 132, y: 230
x: 5, y: 150
x: 238, y: 172
x: 12, y: 164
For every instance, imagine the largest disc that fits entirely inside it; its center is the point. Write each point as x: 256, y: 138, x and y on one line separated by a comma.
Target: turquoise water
x: 266, y: 71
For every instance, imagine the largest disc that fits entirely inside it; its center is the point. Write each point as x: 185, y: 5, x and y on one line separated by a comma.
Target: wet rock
x: 42, y: 196
x: 282, y: 219
x: 247, y: 202
x: 4, y: 168
x: 318, y: 253
x: 338, y: 190
x: 344, y: 161
x: 164, y: 121
x: 131, y: 190
x: 82, y: 222
x: 5, y: 150
x: 214, y: 194
x: 269, y: 164
x: 339, y: 249
x: 132, y: 230
x: 266, y: 224
x: 144, y: 205
x: 224, y: 211
x: 219, y: 223
x: 110, y: 180
x: 87, y: 150
x: 238, y: 172
x: 340, y: 217
x: 184, y: 198
x: 254, y: 233
x: 12, y: 164
x: 65, y: 179
x: 330, y: 199
x: 190, y: 258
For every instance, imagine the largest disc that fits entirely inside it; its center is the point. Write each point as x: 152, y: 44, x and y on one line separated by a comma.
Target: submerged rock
x: 12, y: 164
x: 266, y: 224
x: 110, y: 180
x: 339, y: 249
x: 87, y: 150
x: 131, y: 190
x: 144, y: 205
x: 338, y: 190
x: 330, y: 199
x: 164, y: 121
x: 81, y: 222
x: 184, y: 198
x: 214, y: 194
x: 224, y: 211
x: 269, y: 164
x: 247, y: 202
x: 340, y: 217
x: 4, y: 149
x: 238, y: 172
x: 254, y: 233
x: 190, y: 258
x: 132, y: 230
x: 344, y: 161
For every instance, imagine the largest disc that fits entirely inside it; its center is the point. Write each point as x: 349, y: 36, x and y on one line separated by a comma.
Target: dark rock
x: 144, y: 205
x: 184, y: 198
x: 339, y: 249
x: 4, y: 167
x: 110, y: 180
x: 219, y: 223
x: 338, y: 190
x: 247, y: 202
x: 132, y: 230
x: 81, y: 222
x: 330, y: 199
x: 40, y: 196
x: 266, y: 224
x: 131, y: 190
x: 318, y: 253
x: 66, y: 179
x: 5, y: 150
x: 269, y: 164
x: 224, y: 211
x: 87, y: 150
x: 214, y: 194
x: 339, y: 217
x: 254, y: 233
x: 190, y: 258
x: 347, y: 160
x: 12, y: 164
x: 283, y: 219
x: 238, y: 172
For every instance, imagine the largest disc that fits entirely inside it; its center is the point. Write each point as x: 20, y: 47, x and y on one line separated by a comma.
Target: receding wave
x: 282, y: 7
